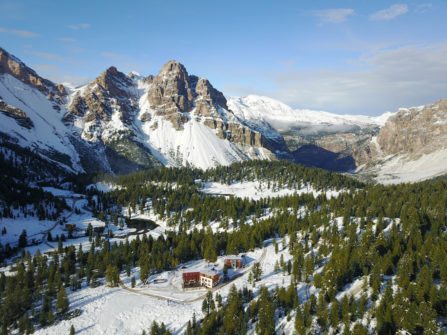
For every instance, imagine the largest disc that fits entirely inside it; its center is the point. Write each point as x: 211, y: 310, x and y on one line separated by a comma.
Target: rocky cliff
x: 415, y: 131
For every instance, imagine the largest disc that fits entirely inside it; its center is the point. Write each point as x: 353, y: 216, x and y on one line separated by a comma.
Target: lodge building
x: 207, y: 279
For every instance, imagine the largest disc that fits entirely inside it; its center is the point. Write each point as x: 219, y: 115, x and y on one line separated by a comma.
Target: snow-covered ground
x: 114, y: 311
x: 38, y: 229
x: 256, y: 190
x: 400, y: 169
x: 121, y: 311
x: 103, y: 187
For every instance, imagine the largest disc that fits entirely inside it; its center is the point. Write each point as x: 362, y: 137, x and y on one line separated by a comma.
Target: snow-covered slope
x: 267, y: 111
x: 174, y: 138
x: 47, y: 133
x: 404, y: 169
x: 195, y: 145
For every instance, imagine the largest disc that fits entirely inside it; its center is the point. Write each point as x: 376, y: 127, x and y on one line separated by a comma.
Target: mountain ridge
x: 119, y: 123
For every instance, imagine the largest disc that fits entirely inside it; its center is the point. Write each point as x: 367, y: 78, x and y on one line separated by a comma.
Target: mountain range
x: 119, y: 123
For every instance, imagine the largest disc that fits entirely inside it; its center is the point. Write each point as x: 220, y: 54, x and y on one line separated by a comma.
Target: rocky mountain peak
x: 171, y: 94
x: 173, y: 91
x: 114, y: 81
x: 109, y: 92
x: 174, y: 67
x: 204, y: 89
x: 13, y: 66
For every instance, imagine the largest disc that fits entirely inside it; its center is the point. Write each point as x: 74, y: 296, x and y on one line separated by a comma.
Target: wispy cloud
x: 389, y: 13
x: 386, y: 79
x: 80, y: 26
x: 336, y: 15
x: 19, y: 32
x: 423, y: 7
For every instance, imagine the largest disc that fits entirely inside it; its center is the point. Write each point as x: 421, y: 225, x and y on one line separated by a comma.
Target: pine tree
x: 256, y: 271
x: 205, y: 307
x: 233, y: 320
x: 72, y: 330
x: 23, y: 242
x: 62, y: 303
x: 300, y: 325
x: 112, y: 275
x: 266, y: 314
x: 144, y: 262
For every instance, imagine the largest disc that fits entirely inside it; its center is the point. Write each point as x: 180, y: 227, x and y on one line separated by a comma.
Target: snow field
x: 255, y: 190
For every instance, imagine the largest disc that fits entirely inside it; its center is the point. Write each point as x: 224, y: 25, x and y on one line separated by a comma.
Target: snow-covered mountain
x: 412, y: 145
x: 262, y: 110
x: 120, y: 123
x: 124, y: 122
x: 31, y: 113
x: 315, y: 138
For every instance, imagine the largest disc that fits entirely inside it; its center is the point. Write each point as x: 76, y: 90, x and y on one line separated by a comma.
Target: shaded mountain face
x: 315, y: 156
x: 120, y: 123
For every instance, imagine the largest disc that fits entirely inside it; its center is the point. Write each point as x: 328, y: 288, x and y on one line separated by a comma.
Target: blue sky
x: 353, y: 57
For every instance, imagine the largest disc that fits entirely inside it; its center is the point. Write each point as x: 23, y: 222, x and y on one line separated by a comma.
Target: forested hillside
x: 354, y: 258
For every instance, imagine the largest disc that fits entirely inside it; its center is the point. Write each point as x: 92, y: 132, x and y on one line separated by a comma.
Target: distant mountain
x: 412, y: 145
x: 120, y: 123
x: 342, y: 139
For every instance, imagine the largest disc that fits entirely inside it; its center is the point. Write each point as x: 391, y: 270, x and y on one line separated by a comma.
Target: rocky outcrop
x: 358, y: 145
x: 14, y: 67
x: 206, y: 91
x: 173, y: 94
x: 170, y: 91
x: 108, y: 93
x: 415, y: 131
x: 235, y: 132
x: 17, y: 114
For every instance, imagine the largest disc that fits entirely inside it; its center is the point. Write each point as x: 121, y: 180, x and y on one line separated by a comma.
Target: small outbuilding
x: 235, y: 262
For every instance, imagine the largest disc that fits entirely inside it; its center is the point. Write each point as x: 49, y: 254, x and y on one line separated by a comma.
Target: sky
x: 346, y: 57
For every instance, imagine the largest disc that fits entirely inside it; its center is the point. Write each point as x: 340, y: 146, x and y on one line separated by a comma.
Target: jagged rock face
x: 17, y: 114
x: 109, y: 92
x: 14, y: 67
x: 235, y: 132
x: 107, y: 108
x: 208, y: 98
x: 357, y: 145
x: 206, y: 91
x: 171, y: 92
x: 415, y: 131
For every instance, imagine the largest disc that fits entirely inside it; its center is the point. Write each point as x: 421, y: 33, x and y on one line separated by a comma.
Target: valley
x: 157, y: 205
